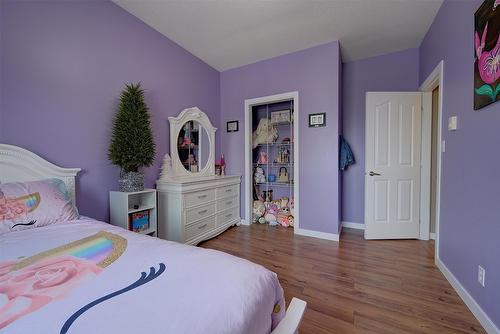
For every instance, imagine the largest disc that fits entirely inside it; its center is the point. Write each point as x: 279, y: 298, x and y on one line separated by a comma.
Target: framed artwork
x: 280, y: 116
x: 232, y: 126
x: 316, y: 120
x: 487, y: 54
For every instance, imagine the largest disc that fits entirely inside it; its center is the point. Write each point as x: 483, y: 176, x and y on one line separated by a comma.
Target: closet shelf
x: 275, y: 164
x: 275, y: 144
x: 275, y: 184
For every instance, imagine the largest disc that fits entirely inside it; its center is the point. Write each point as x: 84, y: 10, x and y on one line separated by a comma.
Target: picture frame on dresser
x: 195, y: 205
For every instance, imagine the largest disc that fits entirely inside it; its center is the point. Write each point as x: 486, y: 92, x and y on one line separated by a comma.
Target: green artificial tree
x: 132, y: 144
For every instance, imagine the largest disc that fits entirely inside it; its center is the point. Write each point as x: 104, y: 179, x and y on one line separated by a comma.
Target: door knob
x: 372, y: 173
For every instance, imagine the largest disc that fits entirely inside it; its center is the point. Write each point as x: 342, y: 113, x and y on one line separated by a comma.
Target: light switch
x: 452, y: 123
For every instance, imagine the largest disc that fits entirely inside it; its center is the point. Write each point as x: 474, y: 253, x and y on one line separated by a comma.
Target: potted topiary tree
x: 132, y: 145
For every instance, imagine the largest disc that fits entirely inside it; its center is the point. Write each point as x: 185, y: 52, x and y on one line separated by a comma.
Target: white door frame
x: 248, y: 151
x: 435, y: 79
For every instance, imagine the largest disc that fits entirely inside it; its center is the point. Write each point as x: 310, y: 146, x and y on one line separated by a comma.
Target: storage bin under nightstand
x: 123, y: 204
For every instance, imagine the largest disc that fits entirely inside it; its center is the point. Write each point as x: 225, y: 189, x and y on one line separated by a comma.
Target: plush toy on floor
x: 285, y: 218
x: 271, y: 213
x: 259, y: 209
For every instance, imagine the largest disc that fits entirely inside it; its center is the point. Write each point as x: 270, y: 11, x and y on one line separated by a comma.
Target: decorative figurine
x: 166, y: 168
x: 222, y: 165
x: 259, y: 176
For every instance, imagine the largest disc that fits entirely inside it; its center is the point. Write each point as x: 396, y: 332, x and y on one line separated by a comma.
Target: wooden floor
x: 355, y: 286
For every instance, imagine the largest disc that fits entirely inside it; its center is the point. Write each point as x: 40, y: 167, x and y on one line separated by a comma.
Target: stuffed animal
x: 258, y: 212
x: 283, y: 219
x: 259, y: 176
x: 291, y: 206
x: 271, y: 214
x: 284, y: 202
x: 284, y: 213
x: 265, y: 133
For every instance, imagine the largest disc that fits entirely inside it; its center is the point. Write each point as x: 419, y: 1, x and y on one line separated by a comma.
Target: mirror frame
x: 176, y: 124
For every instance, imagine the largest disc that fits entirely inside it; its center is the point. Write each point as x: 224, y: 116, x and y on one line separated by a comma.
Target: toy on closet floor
x: 268, y: 195
x: 259, y: 176
x: 259, y: 209
x: 271, y: 214
x: 265, y: 133
x: 283, y: 212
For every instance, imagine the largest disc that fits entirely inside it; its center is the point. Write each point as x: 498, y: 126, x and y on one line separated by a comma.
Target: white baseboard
x: 357, y: 226
x: 473, y: 306
x: 316, y: 234
x: 432, y: 236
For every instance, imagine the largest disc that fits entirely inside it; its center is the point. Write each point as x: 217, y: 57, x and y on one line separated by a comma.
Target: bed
x: 116, y: 281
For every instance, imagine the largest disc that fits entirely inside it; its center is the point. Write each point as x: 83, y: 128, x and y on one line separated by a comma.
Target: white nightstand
x: 122, y: 205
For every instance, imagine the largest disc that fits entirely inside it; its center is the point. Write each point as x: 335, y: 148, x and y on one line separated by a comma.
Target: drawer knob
x: 202, y: 212
x: 229, y: 215
x: 229, y: 190
x: 227, y: 203
x: 202, y: 226
x: 202, y: 196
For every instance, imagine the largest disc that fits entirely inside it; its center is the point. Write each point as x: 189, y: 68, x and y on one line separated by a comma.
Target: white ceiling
x: 231, y: 33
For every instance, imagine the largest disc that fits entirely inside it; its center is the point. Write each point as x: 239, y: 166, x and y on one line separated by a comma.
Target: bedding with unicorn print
x: 84, y: 276
x: 33, y: 204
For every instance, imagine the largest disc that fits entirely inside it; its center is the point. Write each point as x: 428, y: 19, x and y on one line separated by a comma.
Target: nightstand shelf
x: 122, y: 205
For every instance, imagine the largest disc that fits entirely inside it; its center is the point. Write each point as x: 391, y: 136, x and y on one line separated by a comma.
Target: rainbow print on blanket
x: 53, y: 274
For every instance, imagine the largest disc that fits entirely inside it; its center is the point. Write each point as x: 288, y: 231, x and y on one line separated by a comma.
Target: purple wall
x: 63, y: 67
x: 314, y: 74
x: 470, y: 196
x: 391, y: 72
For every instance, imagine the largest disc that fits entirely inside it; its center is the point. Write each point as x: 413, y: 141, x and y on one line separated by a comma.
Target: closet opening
x: 271, y: 173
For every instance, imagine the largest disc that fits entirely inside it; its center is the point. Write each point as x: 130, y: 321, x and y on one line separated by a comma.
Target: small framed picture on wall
x: 317, y: 120
x: 232, y: 126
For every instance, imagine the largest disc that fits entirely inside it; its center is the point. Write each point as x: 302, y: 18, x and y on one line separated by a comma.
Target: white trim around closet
x: 248, y: 152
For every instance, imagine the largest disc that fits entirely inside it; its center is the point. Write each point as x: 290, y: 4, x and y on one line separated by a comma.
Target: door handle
x: 372, y: 173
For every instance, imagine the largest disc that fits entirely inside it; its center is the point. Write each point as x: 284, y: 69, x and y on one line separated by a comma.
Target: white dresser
x: 193, y: 210
x: 193, y: 203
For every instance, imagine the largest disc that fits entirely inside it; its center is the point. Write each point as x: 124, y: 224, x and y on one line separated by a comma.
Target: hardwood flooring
x: 355, y: 286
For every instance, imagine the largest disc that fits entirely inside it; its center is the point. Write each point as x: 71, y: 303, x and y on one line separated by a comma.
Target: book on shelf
x: 139, y: 221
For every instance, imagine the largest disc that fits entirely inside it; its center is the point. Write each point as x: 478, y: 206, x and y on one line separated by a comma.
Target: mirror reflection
x: 193, y: 146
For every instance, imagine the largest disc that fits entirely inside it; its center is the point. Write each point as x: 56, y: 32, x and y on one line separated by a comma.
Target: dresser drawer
x: 228, y: 215
x: 199, y: 228
x: 198, y: 213
x: 228, y: 191
x: 226, y: 203
x: 199, y: 197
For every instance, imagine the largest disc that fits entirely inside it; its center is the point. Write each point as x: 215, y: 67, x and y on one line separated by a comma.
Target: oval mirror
x: 193, y: 146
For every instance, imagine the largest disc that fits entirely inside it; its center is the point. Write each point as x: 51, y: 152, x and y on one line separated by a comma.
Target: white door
x: 392, y: 165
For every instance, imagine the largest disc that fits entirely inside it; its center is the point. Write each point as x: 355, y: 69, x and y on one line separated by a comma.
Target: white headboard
x: 19, y: 165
